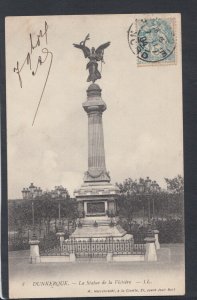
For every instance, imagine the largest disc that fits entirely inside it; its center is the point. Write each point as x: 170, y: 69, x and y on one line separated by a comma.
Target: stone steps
x: 100, y: 231
x: 98, y: 221
x: 101, y: 221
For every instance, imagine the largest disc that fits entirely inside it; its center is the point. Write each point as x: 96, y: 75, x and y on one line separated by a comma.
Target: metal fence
x: 96, y: 248
x: 55, y: 251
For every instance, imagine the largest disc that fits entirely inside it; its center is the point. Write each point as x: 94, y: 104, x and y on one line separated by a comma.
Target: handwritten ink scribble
x: 47, y: 55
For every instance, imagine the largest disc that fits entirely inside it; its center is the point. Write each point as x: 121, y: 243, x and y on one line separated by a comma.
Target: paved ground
x: 84, y: 278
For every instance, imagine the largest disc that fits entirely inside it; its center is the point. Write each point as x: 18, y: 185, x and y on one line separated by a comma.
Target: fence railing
x: 55, y: 251
x: 96, y: 248
x: 102, y: 247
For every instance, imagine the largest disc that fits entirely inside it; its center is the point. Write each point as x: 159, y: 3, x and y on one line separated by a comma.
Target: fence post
x: 151, y: 254
x: 109, y: 256
x: 72, y: 257
x: 110, y: 241
x: 34, y: 250
x: 60, y: 235
x: 72, y: 254
x: 156, y: 234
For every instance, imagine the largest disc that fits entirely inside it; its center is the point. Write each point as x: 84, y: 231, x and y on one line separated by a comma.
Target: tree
x: 45, y: 208
x: 128, y: 187
x: 19, y: 215
x: 175, y: 190
x: 69, y: 209
x: 130, y: 201
x: 175, y: 185
x: 166, y: 207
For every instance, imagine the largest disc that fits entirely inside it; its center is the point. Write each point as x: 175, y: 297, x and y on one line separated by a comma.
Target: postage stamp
x: 153, y: 41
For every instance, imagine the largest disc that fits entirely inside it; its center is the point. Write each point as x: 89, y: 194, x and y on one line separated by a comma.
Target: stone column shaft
x: 96, y: 152
x: 94, y: 107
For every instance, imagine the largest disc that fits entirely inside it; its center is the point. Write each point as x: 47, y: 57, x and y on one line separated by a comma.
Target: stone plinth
x: 109, y: 257
x: 34, y: 251
x: 156, y: 235
x: 60, y: 234
x: 100, y: 232
x: 72, y: 257
x: 151, y: 254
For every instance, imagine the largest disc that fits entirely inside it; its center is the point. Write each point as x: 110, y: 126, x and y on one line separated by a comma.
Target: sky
x: 142, y: 124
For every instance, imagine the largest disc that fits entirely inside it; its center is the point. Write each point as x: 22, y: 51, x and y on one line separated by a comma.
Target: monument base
x: 97, y: 206
x: 99, y: 228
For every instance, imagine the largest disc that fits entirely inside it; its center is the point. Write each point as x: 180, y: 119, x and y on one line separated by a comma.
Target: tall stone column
x: 96, y: 154
x: 96, y: 192
x: 95, y: 106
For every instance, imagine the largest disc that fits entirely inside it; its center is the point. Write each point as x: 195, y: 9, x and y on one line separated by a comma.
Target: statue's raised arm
x: 94, y: 56
x: 83, y: 47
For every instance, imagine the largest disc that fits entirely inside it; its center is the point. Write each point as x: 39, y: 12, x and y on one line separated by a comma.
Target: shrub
x: 49, y: 241
x: 170, y: 230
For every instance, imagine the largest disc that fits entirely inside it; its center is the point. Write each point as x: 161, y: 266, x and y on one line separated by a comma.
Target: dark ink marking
x: 40, y: 61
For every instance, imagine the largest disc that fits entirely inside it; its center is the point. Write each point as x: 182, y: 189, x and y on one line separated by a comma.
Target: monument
x: 97, y: 197
x: 98, y: 235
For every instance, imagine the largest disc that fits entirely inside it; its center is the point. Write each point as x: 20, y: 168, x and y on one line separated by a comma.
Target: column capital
x: 94, y: 105
x: 94, y: 101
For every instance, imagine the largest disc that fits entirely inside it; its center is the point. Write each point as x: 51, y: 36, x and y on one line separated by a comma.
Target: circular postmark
x: 152, y: 40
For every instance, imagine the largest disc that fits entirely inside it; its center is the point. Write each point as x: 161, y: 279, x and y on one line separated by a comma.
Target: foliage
x: 127, y: 200
x: 170, y: 231
x: 128, y: 187
x: 162, y: 203
x: 46, y: 210
x: 165, y: 205
x: 175, y: 185
x: 18, y: 244
x: 19, y: 215
x: 49, y: 241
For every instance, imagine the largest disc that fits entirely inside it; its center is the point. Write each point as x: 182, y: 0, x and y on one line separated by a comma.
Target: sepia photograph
x: 95, y: 155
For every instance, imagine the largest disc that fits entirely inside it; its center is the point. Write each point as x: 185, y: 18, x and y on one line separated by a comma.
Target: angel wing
x: 86, y: 50
x: 100, y: 50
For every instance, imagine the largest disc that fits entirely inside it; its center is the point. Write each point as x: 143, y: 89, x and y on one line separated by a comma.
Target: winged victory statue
x: 94, y: 56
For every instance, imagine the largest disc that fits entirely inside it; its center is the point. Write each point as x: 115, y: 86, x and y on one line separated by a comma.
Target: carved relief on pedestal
x: 96, y: 175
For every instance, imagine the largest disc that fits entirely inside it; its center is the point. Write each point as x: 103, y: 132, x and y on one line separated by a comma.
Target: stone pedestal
x: 151, y: 254
x: 72, y: 257
x: 60, y: 235
x: 109, y: 257
x: 34, y: 251
x: 156, y: 235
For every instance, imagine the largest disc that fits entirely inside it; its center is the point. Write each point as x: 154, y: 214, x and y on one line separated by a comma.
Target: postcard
x: 95, y: 155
